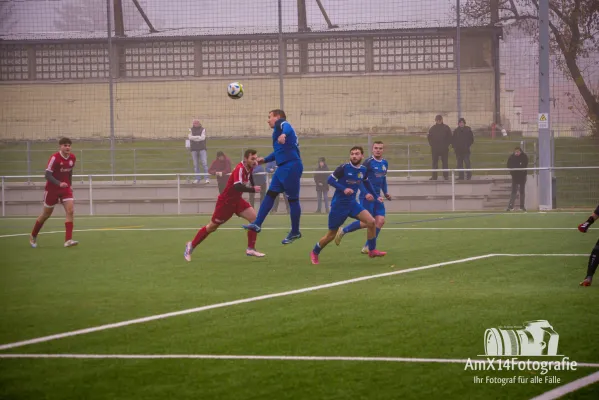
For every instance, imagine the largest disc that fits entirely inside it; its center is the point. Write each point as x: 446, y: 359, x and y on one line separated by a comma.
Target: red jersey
x: 61, y: 168
x: 241, y: 174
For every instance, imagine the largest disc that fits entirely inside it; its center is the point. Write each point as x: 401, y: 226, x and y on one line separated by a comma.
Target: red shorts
x: 58, y: 195
x: 224, y: 211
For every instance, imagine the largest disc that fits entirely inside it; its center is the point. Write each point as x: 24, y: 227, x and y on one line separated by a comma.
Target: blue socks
x: 295, y: 212
x: 354, y: 226
x: 378, y: 230
x: 265, y: 208
x: 317, y: 248
x: 371, y: 243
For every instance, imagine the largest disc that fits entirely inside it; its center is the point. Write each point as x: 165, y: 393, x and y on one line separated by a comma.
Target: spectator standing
x: 197, y: 146
x: 439, y: 138
x: 322, y: 187
x: 462, y: 139
x: 221, y: 167
x: 518, y: 159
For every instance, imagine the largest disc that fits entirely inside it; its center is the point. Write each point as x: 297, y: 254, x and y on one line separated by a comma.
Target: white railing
x: 178, y: 176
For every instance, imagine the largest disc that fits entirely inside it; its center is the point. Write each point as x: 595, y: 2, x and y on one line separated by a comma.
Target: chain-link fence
x: 143, y: 69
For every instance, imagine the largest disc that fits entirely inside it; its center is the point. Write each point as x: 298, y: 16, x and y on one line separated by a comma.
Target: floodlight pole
x: 458, y: 65
x: 110, y: 85
x: 545, y: 183
x: 281, y: 58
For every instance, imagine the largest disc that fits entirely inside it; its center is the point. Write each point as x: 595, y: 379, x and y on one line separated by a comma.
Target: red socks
x: 37, y: 228
x: 68, y: 231
x: 252, y: 235
x: 201, y: 235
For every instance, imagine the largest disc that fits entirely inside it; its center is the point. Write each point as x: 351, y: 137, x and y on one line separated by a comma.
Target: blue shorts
x: 287, y: 179
x: 339, y: 214
x: 375, y: 207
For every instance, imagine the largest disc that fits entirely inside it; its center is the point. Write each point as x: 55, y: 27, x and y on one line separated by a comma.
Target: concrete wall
x: 324, y: 105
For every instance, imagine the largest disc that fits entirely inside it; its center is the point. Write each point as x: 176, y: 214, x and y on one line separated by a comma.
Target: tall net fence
x: 127, y: 77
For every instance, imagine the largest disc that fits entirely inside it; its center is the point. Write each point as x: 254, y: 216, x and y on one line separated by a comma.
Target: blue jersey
x: 377, y: 175
x: 348, y: 176
x: 288, y: 151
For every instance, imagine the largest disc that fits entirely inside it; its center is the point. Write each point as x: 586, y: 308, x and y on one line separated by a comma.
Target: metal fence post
x: 91, y: 196
x: 178, y: 194
x: 81, y: 163
x: 3, y: 200
x: 134, y: 166
x: 28, y: 161
x: 408, y: 161
x: 452, y: 190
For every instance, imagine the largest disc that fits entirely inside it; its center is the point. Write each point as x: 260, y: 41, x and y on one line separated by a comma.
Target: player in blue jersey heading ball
x: 377, y: 168
x: 286, y: 178
x: 346, y: 180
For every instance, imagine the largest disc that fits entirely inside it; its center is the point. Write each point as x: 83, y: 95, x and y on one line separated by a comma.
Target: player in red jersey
x: 59, y: 176
x: 230, y: 202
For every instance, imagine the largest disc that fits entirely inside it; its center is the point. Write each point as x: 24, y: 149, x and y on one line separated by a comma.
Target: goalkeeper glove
x: 585, y: 225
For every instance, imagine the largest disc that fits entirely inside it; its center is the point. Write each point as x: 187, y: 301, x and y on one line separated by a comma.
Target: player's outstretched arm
x: 587, y: 224
x: 269, y: 158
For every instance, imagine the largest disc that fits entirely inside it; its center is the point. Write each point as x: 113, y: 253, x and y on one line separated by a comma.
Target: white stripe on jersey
x: 51, y: 164
x: 240, y: 179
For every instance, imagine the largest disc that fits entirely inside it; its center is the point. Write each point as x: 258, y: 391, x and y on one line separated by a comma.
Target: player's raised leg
x: 39, y: 223
x: 337, y: 217
x: 292, y: 191
x: 321, y: 244
x: 368, y: 220
x: 200, y: 236
x: 249, y: 214
x: 69, y: 209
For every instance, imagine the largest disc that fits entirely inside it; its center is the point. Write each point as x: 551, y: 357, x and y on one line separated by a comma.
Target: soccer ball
x: 235, y: 90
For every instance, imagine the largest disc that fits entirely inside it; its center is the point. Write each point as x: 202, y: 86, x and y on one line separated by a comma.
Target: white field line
x: 107, y: 229
x: 448, y: 214
x: 569, y: 387
x: 262, y: 357
x: 230, y: 303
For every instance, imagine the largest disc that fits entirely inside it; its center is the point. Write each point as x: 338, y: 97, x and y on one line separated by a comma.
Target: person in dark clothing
x: 462, y: 139
x: 197, y: 146
x: 439, y: 138
x: 322, y: 187
x: 518, y: 159
x: 259, y: 174
x: 221, y: 167
x: 594, y: 257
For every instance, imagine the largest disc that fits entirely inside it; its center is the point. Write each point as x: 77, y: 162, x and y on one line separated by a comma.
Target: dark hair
x: 439, y: 117
x: 378, y: 142
x: 357, y: 148
x: 249, y: 152
x: 462, y: 120
x: 279, y: 112
x: 64, y: 140
x: 220, y: 153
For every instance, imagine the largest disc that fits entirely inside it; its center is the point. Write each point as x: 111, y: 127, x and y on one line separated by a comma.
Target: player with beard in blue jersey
x: 346, y: 180
x: 286, y: 178
x: 377, y: 168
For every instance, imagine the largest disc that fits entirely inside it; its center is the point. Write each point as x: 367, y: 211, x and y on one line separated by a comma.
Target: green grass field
x: 127, y: 268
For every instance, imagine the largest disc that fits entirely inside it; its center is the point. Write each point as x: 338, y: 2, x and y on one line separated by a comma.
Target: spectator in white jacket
x: 197, y: 146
